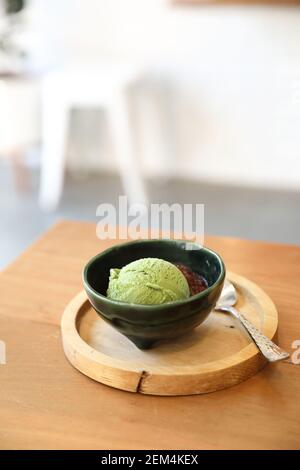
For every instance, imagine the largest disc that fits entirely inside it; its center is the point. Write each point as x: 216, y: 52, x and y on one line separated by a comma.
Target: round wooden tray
x: 216, y: 355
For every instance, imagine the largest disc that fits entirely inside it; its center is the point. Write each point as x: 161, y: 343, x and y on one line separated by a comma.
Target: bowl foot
x: 141, y: 343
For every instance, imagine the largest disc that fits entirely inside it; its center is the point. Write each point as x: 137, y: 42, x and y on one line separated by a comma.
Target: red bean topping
x: 196, y: 282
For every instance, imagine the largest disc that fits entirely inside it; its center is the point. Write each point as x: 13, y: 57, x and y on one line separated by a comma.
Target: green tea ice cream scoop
x: 148, y: 281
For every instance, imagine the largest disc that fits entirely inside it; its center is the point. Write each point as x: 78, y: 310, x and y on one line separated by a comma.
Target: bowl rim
x: 166, y: 305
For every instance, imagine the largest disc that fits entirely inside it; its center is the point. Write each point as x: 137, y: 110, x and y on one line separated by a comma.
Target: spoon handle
x: 269, y: 349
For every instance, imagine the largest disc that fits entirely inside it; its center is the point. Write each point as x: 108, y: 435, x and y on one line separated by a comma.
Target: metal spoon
x: 270, y: 350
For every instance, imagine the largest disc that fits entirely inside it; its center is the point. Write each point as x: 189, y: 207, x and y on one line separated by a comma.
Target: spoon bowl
x: 228, y: 295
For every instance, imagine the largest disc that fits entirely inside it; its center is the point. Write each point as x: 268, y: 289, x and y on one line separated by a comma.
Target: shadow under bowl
x: 144, y: 325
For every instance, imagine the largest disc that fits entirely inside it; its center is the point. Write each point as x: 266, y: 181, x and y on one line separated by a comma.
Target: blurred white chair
x: 85, y: 85
x: 19, y: 118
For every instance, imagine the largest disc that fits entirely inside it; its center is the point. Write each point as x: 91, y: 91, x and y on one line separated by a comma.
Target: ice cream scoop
x: 148, y: 281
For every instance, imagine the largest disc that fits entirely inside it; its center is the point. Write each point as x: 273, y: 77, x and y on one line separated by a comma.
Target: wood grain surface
x: 46, y: 403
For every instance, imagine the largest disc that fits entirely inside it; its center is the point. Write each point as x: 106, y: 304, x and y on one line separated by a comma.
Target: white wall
x: 235, y: 74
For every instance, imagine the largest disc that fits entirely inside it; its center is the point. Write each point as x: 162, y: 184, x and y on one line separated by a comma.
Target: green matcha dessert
x: 148, y: 281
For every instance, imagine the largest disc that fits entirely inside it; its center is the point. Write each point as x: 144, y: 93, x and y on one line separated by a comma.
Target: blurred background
x: 163, y: 101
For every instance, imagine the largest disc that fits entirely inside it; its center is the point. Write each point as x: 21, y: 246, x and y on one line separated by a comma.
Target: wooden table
x: 46, y: 403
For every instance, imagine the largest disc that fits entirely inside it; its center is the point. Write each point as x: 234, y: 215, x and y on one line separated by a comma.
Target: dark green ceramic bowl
x: 146, y: 324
